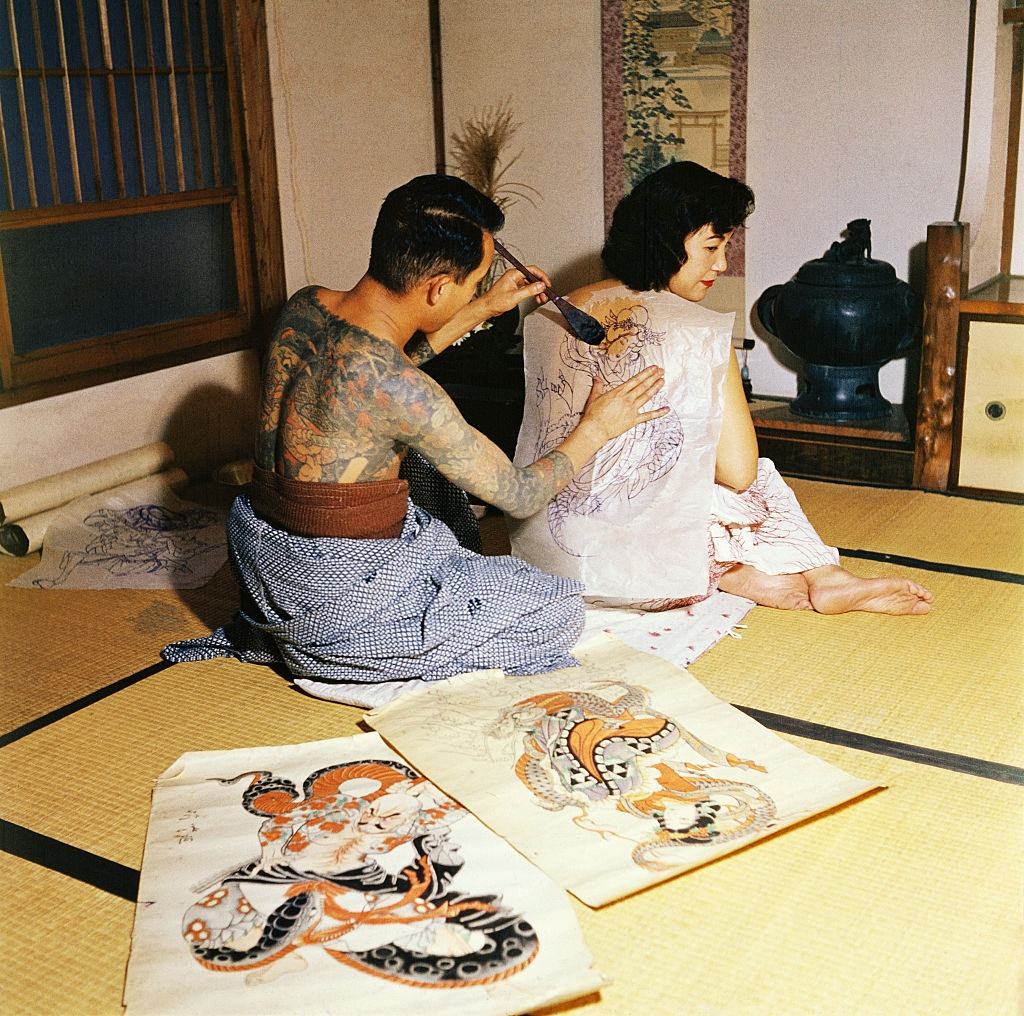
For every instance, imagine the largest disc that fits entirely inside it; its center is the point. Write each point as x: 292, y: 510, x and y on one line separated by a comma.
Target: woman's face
x: 705, y: 261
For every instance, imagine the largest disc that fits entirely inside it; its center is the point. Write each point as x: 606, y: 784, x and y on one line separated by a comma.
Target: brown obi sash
x: 357, y: 511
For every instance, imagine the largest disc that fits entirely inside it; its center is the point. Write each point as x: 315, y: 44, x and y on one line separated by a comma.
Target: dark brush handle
x: 579, y: 323
x: 527, y: 274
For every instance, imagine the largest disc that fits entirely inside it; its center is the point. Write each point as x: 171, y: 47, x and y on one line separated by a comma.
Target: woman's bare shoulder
x: 580, y: 296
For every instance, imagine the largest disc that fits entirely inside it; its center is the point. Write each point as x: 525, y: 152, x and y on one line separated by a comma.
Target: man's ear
x: 437, y: 288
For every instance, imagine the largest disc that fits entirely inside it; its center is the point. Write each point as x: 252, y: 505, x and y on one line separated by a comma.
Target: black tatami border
x: 99, y: 872
x: 86, y: 700
x: 966, y: 764
x: 122, y: 881
x: 937, y: 566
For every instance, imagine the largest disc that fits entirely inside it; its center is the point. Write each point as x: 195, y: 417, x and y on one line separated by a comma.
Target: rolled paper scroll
x: 22, y: 537
x: 26, y: 535
x: 41, y: 495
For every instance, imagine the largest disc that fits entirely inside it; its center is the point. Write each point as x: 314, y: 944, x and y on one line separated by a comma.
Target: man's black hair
x: 432, y: 225
x: 645, y: 248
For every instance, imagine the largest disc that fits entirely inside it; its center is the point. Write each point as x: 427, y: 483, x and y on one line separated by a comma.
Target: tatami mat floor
x: 908, y: 902
x: 106, y: 633
x: 949, y: 680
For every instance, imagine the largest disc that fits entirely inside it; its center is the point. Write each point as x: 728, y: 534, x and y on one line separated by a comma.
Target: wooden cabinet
x: 990, y: 445
x: 969, y: 431
x: 871, y: 451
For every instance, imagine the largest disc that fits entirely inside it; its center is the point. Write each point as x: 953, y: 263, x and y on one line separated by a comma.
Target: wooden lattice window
x: 126, y: 236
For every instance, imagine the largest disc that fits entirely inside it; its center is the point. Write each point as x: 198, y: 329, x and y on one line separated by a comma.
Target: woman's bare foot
x: 834, y: 590
x: 786, y: 592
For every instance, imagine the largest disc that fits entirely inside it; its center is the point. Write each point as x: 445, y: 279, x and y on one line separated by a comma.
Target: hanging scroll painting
x: 330, y: 877
x: 674, y: 83
x: 612, y: 776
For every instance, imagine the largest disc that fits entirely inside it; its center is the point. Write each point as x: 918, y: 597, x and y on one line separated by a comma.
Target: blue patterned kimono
x: 417, y: 606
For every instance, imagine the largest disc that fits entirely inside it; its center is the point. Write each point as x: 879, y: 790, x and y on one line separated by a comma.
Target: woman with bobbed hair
x: 682, y: 505
x: 646, y: 244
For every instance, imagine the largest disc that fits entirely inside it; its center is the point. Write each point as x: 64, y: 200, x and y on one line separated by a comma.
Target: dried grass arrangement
x: 479, y: 155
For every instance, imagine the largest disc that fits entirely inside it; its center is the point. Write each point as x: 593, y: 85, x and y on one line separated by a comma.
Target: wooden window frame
x: 256, y: 228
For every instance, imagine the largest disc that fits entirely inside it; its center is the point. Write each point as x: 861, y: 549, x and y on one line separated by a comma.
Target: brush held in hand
x: 581, y: 324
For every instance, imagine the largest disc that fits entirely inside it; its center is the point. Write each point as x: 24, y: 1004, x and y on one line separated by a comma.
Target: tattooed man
x: 345, y: 581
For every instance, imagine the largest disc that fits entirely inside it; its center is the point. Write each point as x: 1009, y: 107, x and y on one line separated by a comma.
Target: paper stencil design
x: 584, y: 748
x: 611, y: 776
x: 634, y: 522
x: 320, y: 848
x: 143, y: 540
x: 635, y: 459
x: 367, y: 870
x: 139, y: 536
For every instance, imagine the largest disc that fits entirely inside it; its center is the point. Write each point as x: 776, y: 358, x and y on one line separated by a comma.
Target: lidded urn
x: 845, y: 315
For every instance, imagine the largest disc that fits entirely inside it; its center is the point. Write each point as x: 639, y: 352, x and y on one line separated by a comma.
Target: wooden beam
x: 1012, y: 147
x: 947, y: 263
x: 261, y: 156
x: 440, y: 155
x: 26, y: 218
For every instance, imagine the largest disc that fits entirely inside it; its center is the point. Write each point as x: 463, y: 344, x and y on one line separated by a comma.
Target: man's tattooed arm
x: 419, y: 349
x: 426, y: 419
x: 337, y: 401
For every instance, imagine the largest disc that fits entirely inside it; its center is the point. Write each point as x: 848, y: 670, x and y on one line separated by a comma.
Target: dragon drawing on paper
x: 143, y: 539
x: 633, y: 461
x: 582, y: 750
x: 364, y: 868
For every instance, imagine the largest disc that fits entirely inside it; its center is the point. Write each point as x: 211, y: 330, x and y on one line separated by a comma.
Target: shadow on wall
x: 582, y: 271
x: 212, y: 425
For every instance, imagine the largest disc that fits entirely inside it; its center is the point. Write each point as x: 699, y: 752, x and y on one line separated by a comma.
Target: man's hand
x: 512, y: 288
x: 613, y: 411
x: 508, y: 291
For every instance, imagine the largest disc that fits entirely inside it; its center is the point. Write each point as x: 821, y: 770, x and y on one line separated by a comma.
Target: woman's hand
x: 512, y: 288
x: 611, y: 412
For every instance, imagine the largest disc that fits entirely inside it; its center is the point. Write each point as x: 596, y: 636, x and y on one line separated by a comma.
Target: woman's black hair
x: 645, y: 248
x: 432, y: 225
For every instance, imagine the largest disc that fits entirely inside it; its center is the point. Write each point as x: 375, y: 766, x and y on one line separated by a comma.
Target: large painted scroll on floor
x: 612, y: 776
x: 330, y: 877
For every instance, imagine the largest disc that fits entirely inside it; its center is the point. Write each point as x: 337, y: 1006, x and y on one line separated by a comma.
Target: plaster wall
x: 854, y: 110
x: 549, y: 63
x: 984, y: 185
x: 204, y: 410
x: 352, y: 120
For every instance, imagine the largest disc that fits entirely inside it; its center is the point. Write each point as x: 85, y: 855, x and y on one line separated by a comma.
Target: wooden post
x: 261, y: 157
x: 947, y: 262
x: 437, y: 86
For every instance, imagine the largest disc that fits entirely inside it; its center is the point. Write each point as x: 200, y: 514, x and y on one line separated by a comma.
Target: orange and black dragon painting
x: 587, y: 751
x: 361, y: 864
